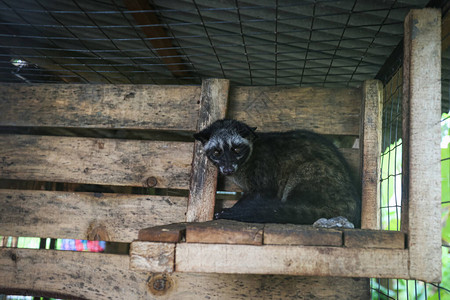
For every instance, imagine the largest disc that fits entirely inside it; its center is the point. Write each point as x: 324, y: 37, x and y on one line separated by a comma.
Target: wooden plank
x: 225, y: 232
x: 78, y: 274
x: 213, y: 106
x: 95, y: 161
x: 291, y: 260
x: 421, y: 142
x: 157, y: 36
x: 158, y: 257
x: 100, y: 276
x: 80, y: 215
x: 288, y: 108
x: 100, y: 106
x: 170, y: 233
x: 356, y: 238
x: 370, y: 145
x: 351, y: 155
x: 288, y: 234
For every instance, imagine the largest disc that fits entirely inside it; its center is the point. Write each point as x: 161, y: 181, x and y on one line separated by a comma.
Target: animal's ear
x: 247, y: 131
x: 203, y: 136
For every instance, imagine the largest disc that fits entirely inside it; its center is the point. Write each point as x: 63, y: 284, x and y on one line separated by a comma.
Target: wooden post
x: 370, y: 147
x: 421, y: 190
x: 213, y: 106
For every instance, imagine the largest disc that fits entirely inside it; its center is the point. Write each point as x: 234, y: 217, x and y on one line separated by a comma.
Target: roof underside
x: 292, y: 42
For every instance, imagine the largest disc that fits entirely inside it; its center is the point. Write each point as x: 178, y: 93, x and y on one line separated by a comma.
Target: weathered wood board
x: 107, y: 276
x: 288, y: 234
x: 116, y: 217
x: 383, y: 239
x: 213, y: 106
x: 159, y: 257
x: 370, y: 145
x: 100, y: 106
x: 288, y: 108
x: 170, y: 233
x: 421, y: 190
x: 225, y: 232
x: 289, y: 260
x: 95, y: 161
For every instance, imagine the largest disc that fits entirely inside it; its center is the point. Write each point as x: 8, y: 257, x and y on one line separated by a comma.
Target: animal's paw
x: 222, y: 215
x: 336, y: 222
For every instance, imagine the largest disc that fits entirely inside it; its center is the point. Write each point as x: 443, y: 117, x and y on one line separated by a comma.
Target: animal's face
x: 228, y: 144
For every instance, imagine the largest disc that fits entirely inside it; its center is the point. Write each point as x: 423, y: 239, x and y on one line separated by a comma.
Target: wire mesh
x: 390, y: 186
x: 276, y: 42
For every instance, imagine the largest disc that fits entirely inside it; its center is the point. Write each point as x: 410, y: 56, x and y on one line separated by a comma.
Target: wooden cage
x: 162, y: 263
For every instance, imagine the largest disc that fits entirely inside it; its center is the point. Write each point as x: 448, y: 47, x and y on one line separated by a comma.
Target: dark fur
x: 287, y: 177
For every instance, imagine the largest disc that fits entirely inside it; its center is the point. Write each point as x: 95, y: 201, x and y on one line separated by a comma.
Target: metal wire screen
x: 390, y: 199
x: 276, y: 42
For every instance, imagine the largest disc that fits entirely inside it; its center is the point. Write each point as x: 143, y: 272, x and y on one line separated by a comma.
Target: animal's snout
x: 227, y: 170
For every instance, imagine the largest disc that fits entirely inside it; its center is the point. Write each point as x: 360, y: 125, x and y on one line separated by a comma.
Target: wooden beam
x: 80, y: 215
x: 107, y: 276
x: 370, y: 145
x: 421, y: 143
x: 225, y: 232
x: 95, y: 161
x: 288, y: 234
x: 170, y: 233
x: 40, y: 272
x: 159, y: 38
x: 356, y: 238
x: 100, y: 106
x: 159, y: 257
x: 288, y: 108
x: 291, y: 260
x: 213, y: 106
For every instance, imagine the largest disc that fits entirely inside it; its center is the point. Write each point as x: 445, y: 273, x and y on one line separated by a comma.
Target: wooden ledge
x: 224, y: 246
x: 240, y: 233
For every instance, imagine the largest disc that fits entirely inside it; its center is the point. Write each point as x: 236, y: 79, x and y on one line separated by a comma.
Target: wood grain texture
x: 356, y: 238
x: 370, y: 145
x: 100, y: 106
x: 158, y: 257
x: 288, y: 108
x: 213, y: 106
x: 421, y: 142
x: 291, y: 260
x: 170, y: 233
x: 95, y: 161
x: 77, y: 215
x: 225, y: 232
x: 288, y: 234
x: 107, y: 276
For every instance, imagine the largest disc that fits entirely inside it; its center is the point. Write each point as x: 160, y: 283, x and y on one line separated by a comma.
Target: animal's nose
x: 227, y: 170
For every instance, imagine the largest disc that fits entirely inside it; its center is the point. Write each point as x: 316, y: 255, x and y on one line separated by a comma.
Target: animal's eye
x: 237, y: 150
x: 217, y: 152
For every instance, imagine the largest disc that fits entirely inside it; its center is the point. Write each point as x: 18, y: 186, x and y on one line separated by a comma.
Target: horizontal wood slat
x: 323, y: 110
x: 100, y: 106
x: 107, y: 276
x: 291, y: 260
x: 112, y: 217
x: 224, y: 232
x: 95, y: 161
